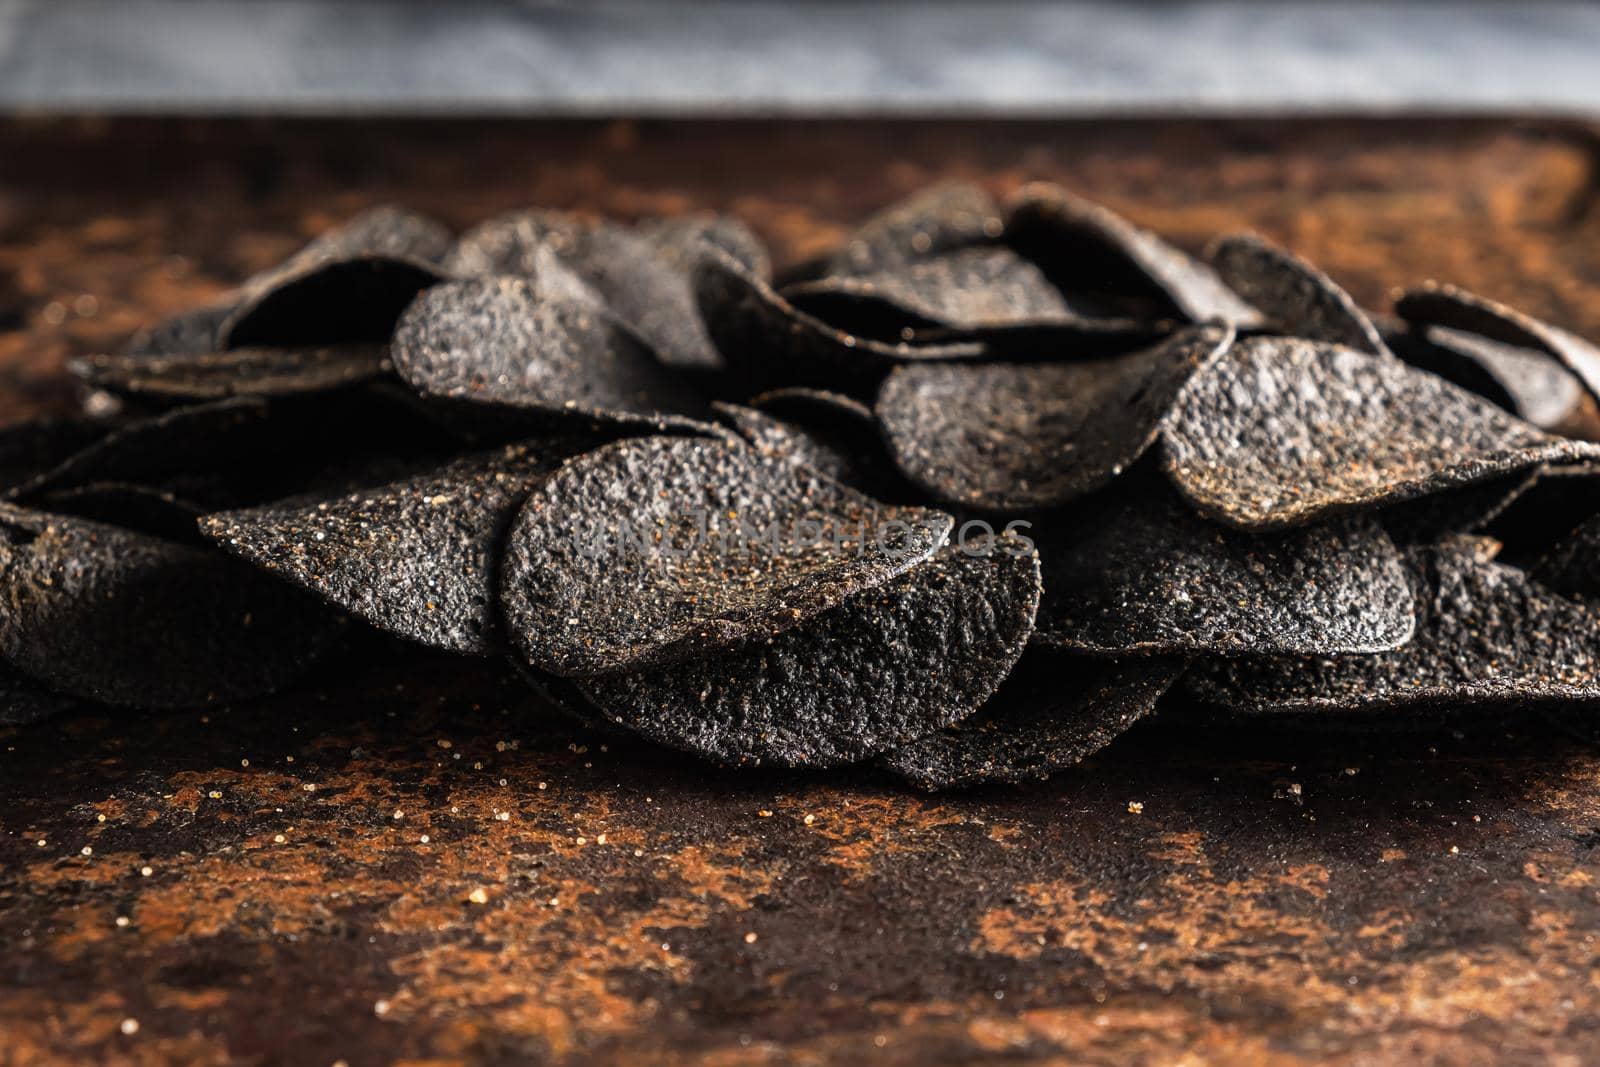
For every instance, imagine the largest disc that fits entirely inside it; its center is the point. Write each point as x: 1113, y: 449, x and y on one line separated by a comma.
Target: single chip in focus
x: 1282, y: 431
x: 1089, y: 251
x: 1296, y: 298
x: 1456, y: 308
x: 891, y: 663
x: 1013, y: 437
x: 978, y: 288
x: 1533, y: 385
x: 1052, y: 712
x: 514, y: 342
x: 938, y: 218
x: 766, y: 340
x: 241, y: 372
x: 1136, y: 571
x: 125, y: 618
x: 1486, y: 635
x: 655, y: 550
x: 417, y: 557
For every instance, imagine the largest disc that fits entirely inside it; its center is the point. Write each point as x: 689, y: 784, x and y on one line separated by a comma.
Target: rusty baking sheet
x: 409, y: 861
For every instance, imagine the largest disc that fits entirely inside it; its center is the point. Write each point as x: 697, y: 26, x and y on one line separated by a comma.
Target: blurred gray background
x: 812, y: 56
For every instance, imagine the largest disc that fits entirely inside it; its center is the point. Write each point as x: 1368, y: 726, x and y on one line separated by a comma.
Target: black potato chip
x: 765, y: 340
x: 1456, y: 308
x: 30, y: 448
x: 1014, y: 437
x: 655, y: 550
x: 415, y: 558
x: 1560, y: 500
x: 331, y: 302
x: 643, y: 283
x: 889, y: 664
x: 1282, y: 431
x: 978, y: 288
x: 935, y: 219
x: 1052, y: 712
x: 386, y: 230
x: 240, y: 372
x: 1136, y: 571
x: 1090, y: 252
x: 134, y: 507
x: 516, y: 343
x: 124, y: 618
x: 1572, y: 566
x: 1486, y: 635
x: 1295, y: 297
x: 679, y: 238
x: 1532, y: 385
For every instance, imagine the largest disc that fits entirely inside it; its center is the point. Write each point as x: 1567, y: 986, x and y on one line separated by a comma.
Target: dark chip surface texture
x: 655, y: 550
x: 1281, y: 431
x: 890, y: 663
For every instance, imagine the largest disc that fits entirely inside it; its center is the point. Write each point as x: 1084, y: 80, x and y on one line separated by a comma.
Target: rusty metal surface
x: 412, y: 860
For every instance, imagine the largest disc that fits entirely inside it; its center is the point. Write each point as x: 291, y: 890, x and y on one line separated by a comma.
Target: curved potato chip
x: 327, y: 302
x: 416, y: 558
x: 1136, y: 571
x: 1090, y: 251
x: 1532, y: 385
x: 1282, y: 431
x: 766, y: 340
x: 887, y: 665
x: 125, y: 618
x: 1013, y: 437
x: 643, y: 284
x: 938, y: 218
x: 240, y: 372
x: 1486, y: 635
x: 1052, y: 712
x: 655, y: 550
x: 512, y: 342
x: 1295, y: 297
x: 977, y: 288
x: 190, y: 333
x: 678, y: 238
x: 1454, y: 307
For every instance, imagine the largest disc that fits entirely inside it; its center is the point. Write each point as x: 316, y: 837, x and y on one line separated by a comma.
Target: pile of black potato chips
x: 966, y: 498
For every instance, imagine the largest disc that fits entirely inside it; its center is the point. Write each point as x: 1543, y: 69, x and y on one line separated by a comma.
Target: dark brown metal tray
x: 405, y: 861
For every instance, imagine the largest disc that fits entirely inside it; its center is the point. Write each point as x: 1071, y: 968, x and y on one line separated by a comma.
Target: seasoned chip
x: 936, y: 219
x: 643, y: 284
x: 1089, y: 251
x: 892, y: 663
x: 1011, y: 437
x: 415, y: 558
x: 513, y: 342
x: 1295, y: 297
x: 125, y: 618
x: 1282, y: 431
x: 1053, y: 711
x: 241, y: 372
x: 386, y: 230
x: 833, y: 433
x: 1486, y: 634
x: 983, y: 287
x: 766, y: 340
x: 1451, y: 306
x: 1454, y: 512
x: 1135, y: 570
x: 1533, y: 385
x: 327, y: 302
x: 678, y: 239
x: 654, y: 550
